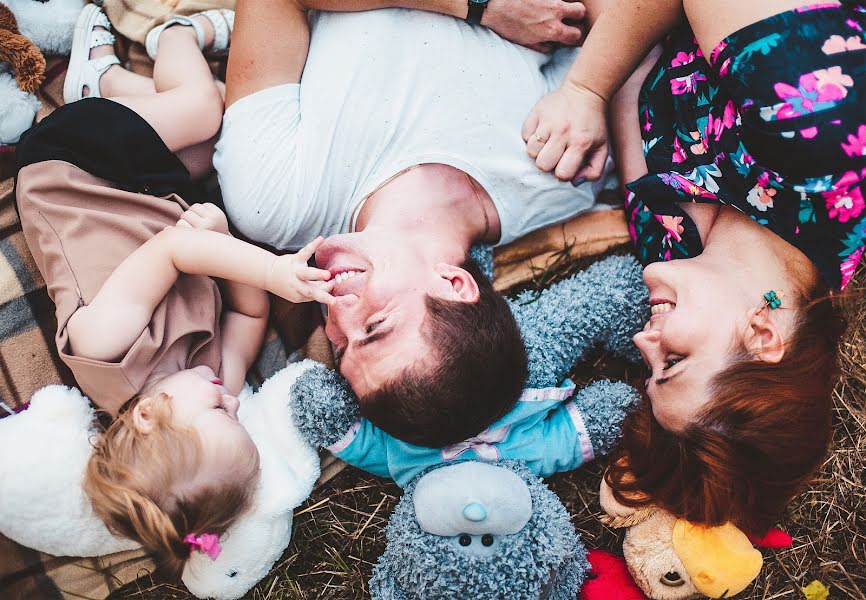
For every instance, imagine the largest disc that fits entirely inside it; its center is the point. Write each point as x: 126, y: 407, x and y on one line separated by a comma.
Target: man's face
x: 376, y: 320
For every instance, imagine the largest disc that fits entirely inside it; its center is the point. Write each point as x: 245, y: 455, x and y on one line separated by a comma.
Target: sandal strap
x: 101, y: 20
x: 223, y: 21
x: 100, y: 37
x: 151, y: 42
x: 100, y: 65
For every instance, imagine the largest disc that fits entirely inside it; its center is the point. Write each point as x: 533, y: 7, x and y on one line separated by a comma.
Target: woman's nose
x: 647, y: 343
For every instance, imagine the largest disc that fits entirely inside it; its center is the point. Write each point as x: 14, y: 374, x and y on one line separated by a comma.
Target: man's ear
x: 764, y: 338
x: 143, y: 417
x: 463, y: 285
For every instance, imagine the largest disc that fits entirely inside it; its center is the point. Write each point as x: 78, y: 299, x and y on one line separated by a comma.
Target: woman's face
x: 698, y: 317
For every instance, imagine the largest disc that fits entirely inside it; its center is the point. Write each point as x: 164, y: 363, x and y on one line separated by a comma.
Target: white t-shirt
x: 381, y: 91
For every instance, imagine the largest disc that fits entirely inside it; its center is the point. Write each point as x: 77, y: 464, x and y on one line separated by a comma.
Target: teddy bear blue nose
x: 475, y: 512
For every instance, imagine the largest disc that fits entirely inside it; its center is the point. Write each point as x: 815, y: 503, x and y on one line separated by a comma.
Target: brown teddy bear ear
x: 7, y: 19
x: 26, y: 59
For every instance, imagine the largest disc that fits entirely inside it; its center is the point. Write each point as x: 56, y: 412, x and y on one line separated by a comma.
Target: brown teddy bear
x: 24, y: 57
x: 22, y: 69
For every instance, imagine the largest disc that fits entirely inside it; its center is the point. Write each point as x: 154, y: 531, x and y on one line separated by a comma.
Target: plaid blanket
x: 28, y: 359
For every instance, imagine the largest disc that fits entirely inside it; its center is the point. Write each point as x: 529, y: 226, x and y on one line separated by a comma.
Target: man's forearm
x: 455, y: 8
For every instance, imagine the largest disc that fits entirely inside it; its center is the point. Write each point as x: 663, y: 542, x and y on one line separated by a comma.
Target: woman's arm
x: 566, y: 132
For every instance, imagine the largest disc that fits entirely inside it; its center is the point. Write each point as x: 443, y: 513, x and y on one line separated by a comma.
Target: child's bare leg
x: 117, y: 81
x: 187, y: 107
x: 713, y: 21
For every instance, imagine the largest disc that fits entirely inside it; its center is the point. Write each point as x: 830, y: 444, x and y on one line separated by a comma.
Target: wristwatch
x: 476, y: 9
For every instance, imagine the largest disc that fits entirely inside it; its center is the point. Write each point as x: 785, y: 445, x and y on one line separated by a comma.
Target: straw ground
x: 340, y: 529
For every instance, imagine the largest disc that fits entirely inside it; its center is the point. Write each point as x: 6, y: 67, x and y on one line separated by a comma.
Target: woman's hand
x: 536, y: 23
x: 291, y: 278
x: 204, y: 216
x: 566, y: 133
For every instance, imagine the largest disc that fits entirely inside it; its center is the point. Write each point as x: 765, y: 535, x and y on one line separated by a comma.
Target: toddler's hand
x: 291, y: 278
x: 204, y: 216
x: 566, y: 133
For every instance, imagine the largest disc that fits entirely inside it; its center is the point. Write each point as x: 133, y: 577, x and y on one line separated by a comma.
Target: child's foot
x: 92, y: 55
x: 212, y: 30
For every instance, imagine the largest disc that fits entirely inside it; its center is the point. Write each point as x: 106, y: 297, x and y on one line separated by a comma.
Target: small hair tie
x: 209, y: 543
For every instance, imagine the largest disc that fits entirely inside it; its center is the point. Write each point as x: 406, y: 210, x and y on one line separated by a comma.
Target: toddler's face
x: 201, y: 403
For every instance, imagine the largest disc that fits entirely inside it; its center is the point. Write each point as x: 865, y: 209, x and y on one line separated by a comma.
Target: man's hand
x: 566, y: 133
x: 291, y: 278
x: 204, y: 216
x: 536, y: 23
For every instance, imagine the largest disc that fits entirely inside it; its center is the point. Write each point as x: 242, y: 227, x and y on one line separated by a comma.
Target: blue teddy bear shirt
x: 545, y: 429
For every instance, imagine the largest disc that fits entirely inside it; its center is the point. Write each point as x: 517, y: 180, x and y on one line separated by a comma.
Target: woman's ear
x: 463, y: 286
x: 143, y: 417
x: 764, y: 338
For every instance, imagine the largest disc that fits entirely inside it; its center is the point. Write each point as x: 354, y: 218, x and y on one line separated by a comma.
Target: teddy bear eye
x: 465, y: 539
x: 487, y: 539
x: 672, y: 579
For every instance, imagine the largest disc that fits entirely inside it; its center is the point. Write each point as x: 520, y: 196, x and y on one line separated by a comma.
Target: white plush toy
x: 45, y: 508
x: 49, y: 24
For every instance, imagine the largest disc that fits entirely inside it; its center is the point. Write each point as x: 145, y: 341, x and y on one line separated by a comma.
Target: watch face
x: 478, y: 1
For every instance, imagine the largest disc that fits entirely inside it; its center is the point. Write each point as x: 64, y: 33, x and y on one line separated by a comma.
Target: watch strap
x: 476, y: 11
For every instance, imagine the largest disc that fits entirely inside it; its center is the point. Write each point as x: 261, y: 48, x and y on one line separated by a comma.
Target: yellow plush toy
x: 673, y: 559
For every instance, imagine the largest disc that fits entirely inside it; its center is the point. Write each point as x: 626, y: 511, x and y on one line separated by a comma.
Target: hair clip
x: 209, y: 543
x: 774, y: 300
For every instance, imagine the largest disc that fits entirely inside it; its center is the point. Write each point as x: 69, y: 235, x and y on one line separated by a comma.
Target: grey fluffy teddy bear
x: 476, y: 520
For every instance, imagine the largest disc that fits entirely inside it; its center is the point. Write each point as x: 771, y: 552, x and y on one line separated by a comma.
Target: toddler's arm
x: 566, y: 132
x: 105, y: 329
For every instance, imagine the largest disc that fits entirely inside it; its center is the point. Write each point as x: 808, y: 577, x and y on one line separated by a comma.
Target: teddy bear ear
x: 618, y: 515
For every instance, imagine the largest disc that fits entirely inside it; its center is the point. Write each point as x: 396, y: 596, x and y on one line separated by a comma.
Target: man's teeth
x: 659, y: 309
x: 341, y: 277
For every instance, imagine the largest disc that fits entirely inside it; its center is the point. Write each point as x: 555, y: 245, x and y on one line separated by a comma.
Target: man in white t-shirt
x: 401, y: 144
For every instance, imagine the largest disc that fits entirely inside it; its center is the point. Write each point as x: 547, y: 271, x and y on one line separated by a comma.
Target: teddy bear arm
x: 605, y: 303
x: 324, y: 408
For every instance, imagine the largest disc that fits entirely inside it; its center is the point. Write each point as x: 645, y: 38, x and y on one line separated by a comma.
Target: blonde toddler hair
x: 131, y: 478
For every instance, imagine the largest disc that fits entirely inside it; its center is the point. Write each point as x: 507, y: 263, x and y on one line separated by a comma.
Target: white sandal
x: 222, y: 20
x: 84, y: 72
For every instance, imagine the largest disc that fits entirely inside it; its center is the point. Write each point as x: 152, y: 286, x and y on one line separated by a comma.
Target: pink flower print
x: 700, y: 147
x: 836, y: 44
x: 809, y: 132
x: 673, y: 226
x: 679, y: 155
x: 647, y: 122
x: 682, y: 58
x: 856, y: 145
x: 686, y: 84
x: 761, y: 197
x: 844, y: 203
x: 716, y: 126
x: 832, y: 84
x: 849, y: 265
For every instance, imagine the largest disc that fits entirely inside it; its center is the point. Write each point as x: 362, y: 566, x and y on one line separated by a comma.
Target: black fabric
x: 109, y: 141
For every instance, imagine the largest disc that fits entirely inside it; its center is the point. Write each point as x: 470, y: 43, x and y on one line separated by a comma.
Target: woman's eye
x: 669, y: 363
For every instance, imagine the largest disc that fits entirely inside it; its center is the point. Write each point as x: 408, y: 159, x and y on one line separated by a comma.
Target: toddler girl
x: 148, y: 335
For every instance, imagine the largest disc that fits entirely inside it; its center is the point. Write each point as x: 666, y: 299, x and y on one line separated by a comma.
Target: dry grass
x: 340, y: 529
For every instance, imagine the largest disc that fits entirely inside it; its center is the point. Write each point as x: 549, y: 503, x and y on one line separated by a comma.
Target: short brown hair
x: 478, y: 370
x: 129, y: 479
x: 755, y: 444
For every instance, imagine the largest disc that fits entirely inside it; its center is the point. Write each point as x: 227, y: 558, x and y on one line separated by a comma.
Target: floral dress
x: 774, y: 124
